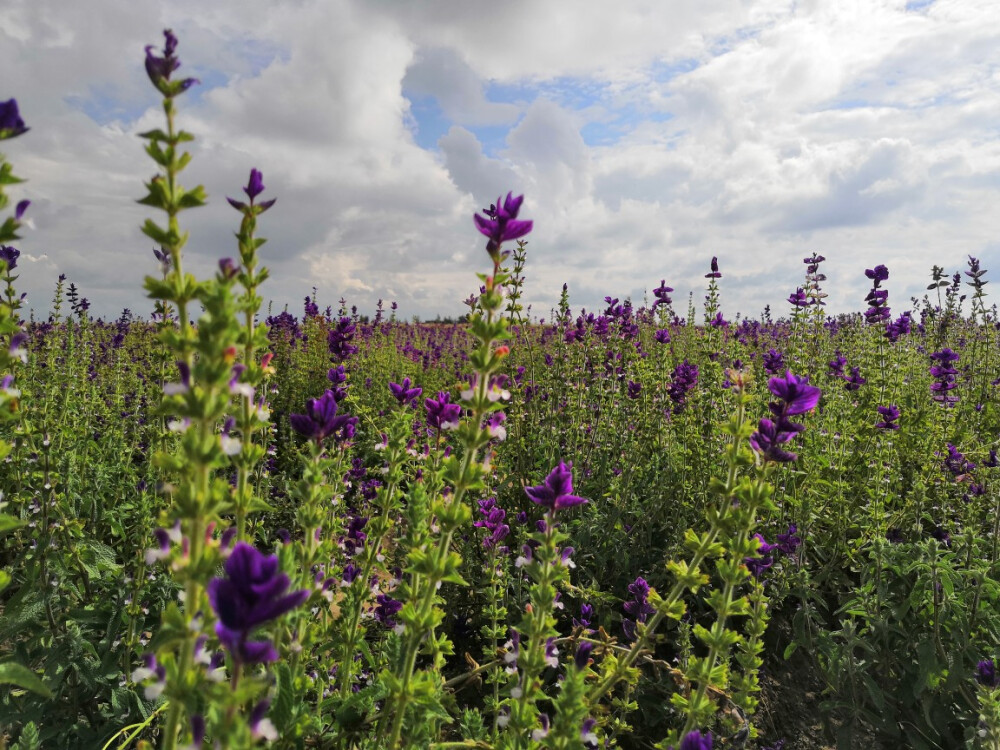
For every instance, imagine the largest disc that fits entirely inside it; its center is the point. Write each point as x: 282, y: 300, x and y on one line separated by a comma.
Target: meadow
x: 640, y: 526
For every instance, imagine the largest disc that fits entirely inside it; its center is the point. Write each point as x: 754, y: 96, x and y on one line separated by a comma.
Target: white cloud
x: 757, y: 132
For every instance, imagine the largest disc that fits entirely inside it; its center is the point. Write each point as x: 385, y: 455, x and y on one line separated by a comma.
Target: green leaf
x: 9, y: 523
x: 12, y: 673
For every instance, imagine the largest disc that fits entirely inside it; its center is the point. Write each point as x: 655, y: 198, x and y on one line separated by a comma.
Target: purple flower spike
x: 715, y: 270
x: 256, y: 184
x: 403, y: 393
x: 159, y: 69
x: 889, y: 416
x: 21, y: 207
x: 500, y: 224
x: 11, y: 124
x: 764, y: 559
x: 798, y: 395
x: 556, y: 492
x: 252, y: 594
x: 321, y: 420
x: 9, y: 255
x: 768, y: 440
x: 441, y: 413
x: 986, y: 674
x: 696, y: 741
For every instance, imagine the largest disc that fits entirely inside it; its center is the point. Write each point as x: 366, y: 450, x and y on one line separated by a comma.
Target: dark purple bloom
x: 796, y: 393
x: 715, y: 270
x: 159, y: 69
x: 638, y: 607
x: 789, y: 543
x: 403, y: 393
x: 321, y: 420
x: 252, y: 593
x: 941, y: 535
x: 799, y: 298
x: 682, y: 381
x: 339, y: 339
x: 764, y: 559
x: 441, y: 413
x: 556, y: 492
x: 696, y: 741
x: 634, y: 389
x: 662, y: 336
x: 11, y: 124
x: 255, y: 186
x: 944, y: 375
x: 586, y: 612
x: 773, y: 361
x: 956, y: 462
x: 889, y: 416
x: 9, y: 255
x: 986, y: 674
x: 500, y: 223
x: 20, y: 208
x: 899, y: 327
x: 877, y: 274
x: 386, y: 609
x: 837, y: 365
x: 582, y: 657
x: 854, y: 381
x: 662, y: 294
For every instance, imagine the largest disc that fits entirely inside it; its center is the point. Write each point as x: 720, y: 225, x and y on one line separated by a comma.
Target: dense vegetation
x: 610, y: 529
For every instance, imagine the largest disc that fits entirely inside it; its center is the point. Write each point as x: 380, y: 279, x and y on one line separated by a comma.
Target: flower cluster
x: 878, y: 311
x: 252, y: 593
x: 500, y: 224
x: 944, y: 375
x: 638, y: 607
x: 890, y: 415
x: 322, y: 421
x: 682, y: 381
x: 795, y: 396
x: 556, y: 492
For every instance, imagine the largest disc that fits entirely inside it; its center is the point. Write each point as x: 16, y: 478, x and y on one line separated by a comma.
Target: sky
x: 647, y: 136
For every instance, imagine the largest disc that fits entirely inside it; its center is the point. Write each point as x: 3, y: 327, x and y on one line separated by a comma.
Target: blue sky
x: 646, y: 137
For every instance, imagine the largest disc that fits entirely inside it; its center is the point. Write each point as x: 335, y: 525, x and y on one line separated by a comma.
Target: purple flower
x: 255, y: 186
x: 986, y: 674
x: 638, y: 607
x: 789, y: 543
x: 877, y: 274
x: 339, y: 339
x: 944, y: 376
x: 321, y: 420
x: 773, y: 361
x: 662, y: 336
x: 159, y: 69
x: 682, y: 381
x: 586, y: 612
x: 715, y: 270
x: 386, y: 609
x: 11, y: 124
x: 253, y: 593
x: 403, y: 393
x: 799, y: 299
x: 582, y: 657
x: 634, y: 389
x: 764, y: 559
x: 556, y: 492
x: 500, y: 224
x: 956, y: 462
x: 836, y: 365
x: 696, y: 741
x: 441, y: 413
x: 662, y: 294
x: 889, y: 416
x: 796, y: 393
x: 9, y: 255
x: 854, y: 381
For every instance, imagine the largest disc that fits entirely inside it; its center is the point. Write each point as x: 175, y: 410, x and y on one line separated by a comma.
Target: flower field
x: 639, y: 526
